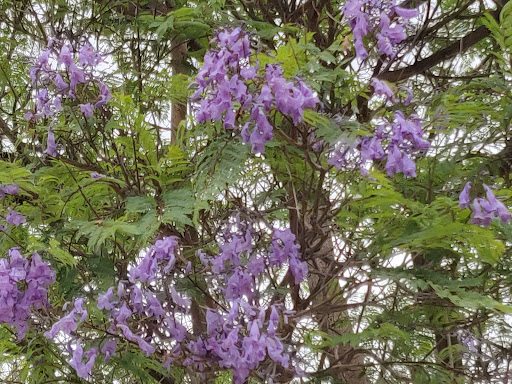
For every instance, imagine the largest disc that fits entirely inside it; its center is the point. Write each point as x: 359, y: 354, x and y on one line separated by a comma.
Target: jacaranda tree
x: 264, y: 191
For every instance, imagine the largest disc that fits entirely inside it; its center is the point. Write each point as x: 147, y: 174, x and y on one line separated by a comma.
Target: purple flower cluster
x: 23, y: 285
x: 59, y: 74
x: 397, y: 141
x: 230, y: 90
x: 12, y: 217
x: 402, y: 138
x: 9, y: 189
x: 385, y: 19
x: 83, y: 367
x: 484, y: 210
x: 68, y: 325
x: 239, y: 270
x: 242, y: 329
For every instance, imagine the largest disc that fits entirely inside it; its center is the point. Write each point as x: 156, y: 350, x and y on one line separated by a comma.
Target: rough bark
x: 178, y: 110
x: 334, y: 323
x: 447, y: 53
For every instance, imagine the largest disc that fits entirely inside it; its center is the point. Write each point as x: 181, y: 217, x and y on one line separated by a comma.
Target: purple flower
x: 87, y: 109
x: 109, y: 349
x: 406, y: 13
x: 239, y: 284
x: 464, y: 199
x: 96, y: 175
x: 14, y: 218
x: 11, y: 189
x: 338, y: 158
x: 153, y: 307
x: 256, y: 266
x: 496, y: 207
x: 359, y: 22
x: 40, y: 272
x: 394, y: 163
x: 78, y: 307
x: 126, y: 332
x: 408, y: 166
x: 87, y: 56
x: 105, y: 95
x: 262, y: 132
x: 249, y: 73
x: 299, y: 269
x: 83, y: 370
x: 67, y: 324
x: 309, y: 99
x: 76, y: 76
x: 275, y: 351
x: 484, y: 210
x: 371, y: 149
x: 265, y: 97
x: 395, y: 34
x: 177, y: 331
x: 60, y: 83
x: 479, y: 216
x: 65, y: 56
x: 409, y: 129
x: 33, y: 73
x: 28, y: 115
x: 409, y: 97
x: 41, y: 99
x: 214, y: 322
x: 254, y: 346
x: 43, y: 59
x: 283, y: 247
x: 57, y: 102
x: 223, y: 80
x: 104, y: 300
x: 273, y: 321
x: 146, y: 270
x: 381, y: 88
x: 50, y: 144
x: 361, y: 52
x: 147, y: 348
x: 122, y: 314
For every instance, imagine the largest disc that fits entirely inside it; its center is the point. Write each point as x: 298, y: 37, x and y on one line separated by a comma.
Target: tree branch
x: 444, y: 54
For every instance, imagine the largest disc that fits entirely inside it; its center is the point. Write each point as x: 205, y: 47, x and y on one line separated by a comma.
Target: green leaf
x: 61, y: 255
x: 179, y: 207
x: 140, y: 204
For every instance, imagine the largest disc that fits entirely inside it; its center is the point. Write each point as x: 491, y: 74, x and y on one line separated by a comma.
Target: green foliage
x: 407, y: 269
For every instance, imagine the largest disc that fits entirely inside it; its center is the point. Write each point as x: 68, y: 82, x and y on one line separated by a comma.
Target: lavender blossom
x: 87, y: 109
x: 11, y: 189
x: 464, y: 199
x: 223, y: 80
x: 381, y: 88
x: 485, y: 210
x: 50, y: 144
x: 14, y: 218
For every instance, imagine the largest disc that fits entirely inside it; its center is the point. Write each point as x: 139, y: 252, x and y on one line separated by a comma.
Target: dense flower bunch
x: 61, y: 73
x: 243, y: 333
x: 23, y: 286
x: 242, y: 328
x: 402, y: 138
x: 383, y: 18
x: 399, y: 140
x: 231, y: 90
x: 484, y: 210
